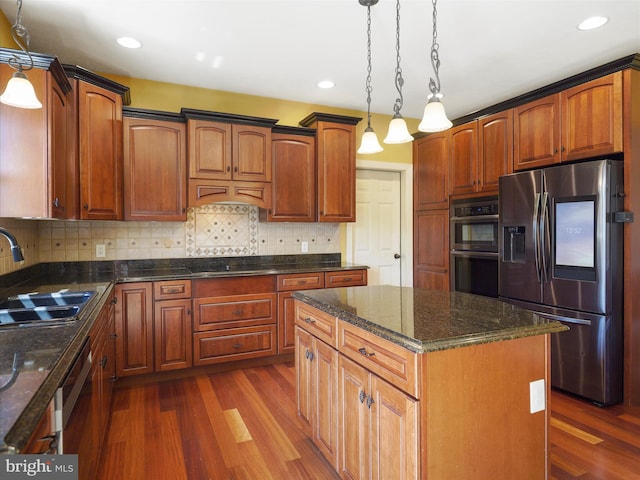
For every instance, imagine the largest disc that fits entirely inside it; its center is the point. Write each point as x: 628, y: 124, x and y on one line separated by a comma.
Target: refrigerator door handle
x: 544, y: 237
x: 536, y: 236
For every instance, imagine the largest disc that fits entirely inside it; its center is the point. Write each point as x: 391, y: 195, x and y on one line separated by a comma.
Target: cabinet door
x: 431, y: 172
x: 173, y: 335
x: 431, y: 249
x: 394, y: 415
x: 155, y: 181
x: 463, y: 158
x: 293, y: 184
x: 592, y: 118
x: 100, y: 131
x: 251, y: 153
x: 495, y: 149
x: 536, y: 133
x: 336, y: 157
x: 353, y: 390
x: 303, y: 378
x: 286, y: 322
x: 134, y: 328
x: 64, y: 162
x: 324, y: 365
x: 209, y: 150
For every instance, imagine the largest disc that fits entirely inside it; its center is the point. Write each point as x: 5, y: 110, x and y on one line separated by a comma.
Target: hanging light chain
x: 399, y: 80
x: 20, y: 35
x: 434, y: 85
x: 369, y: 89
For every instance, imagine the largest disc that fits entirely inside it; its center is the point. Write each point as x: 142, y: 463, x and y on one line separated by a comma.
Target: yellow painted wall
x: 5, y: 32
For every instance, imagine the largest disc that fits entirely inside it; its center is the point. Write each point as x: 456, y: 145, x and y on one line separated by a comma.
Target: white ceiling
x: 490, y: 51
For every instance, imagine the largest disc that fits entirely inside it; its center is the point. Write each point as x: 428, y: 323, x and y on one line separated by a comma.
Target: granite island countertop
x: 428, y: 320
x: 46, y: 353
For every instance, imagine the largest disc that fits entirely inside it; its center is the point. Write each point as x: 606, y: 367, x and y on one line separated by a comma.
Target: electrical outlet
x: 101, y: 250
x: 537, y: 396
x: 305, y: 247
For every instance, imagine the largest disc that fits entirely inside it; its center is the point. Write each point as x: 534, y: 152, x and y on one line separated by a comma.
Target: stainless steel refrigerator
x: 561, y: 254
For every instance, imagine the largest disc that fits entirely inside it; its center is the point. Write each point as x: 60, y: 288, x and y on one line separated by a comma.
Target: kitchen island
x: 395, y: 382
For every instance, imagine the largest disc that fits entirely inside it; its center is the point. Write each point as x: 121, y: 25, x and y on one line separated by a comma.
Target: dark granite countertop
x: 45, y: 354
x: 428, y: 320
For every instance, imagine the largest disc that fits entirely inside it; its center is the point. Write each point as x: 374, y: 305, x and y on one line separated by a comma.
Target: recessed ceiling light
x: 592, y: 22
x: 326, y: 84
x: 129, y: 42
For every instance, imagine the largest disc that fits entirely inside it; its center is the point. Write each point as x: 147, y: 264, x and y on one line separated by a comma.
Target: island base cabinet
x: 317, y: 375
x: 378, y: 427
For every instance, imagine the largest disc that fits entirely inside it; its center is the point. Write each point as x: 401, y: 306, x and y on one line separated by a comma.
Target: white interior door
x: 376, y: 235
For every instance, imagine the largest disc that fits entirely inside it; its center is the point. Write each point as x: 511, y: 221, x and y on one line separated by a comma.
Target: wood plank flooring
x: 241, y: 424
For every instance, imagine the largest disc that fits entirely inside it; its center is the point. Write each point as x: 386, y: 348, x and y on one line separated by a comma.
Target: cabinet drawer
x: 389, y: 361
x: 233, y: 344
x: 234, y: 311
x: 171, y: 289
x: 320, y: 324
x: 345, y: 278
x: 300, y: 281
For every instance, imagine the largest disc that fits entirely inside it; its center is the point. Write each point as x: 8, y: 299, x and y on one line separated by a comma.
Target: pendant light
x: 370, y: 142
x: 19, y: 92
x: 434, y: 118
x: 398, y: 131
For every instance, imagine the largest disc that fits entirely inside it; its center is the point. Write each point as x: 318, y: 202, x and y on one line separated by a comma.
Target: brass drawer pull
x: 310, y: 320
x: 237, y: 345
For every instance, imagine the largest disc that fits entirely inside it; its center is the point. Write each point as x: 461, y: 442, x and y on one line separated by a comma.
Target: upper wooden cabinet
x: 229, y: 158
x: 155, y: 166
x: 463, y: 158
x: 38, y: 172
x: 431, y: 172
x: 99, y: 131
x: 592, y: 118
x: 580, y: 122
x: 495, y: 150
x: 336, y: 165
x: 293, y: 184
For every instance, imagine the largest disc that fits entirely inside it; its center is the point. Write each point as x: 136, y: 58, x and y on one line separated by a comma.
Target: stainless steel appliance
x: 474, y: 245
x: 561, y: 255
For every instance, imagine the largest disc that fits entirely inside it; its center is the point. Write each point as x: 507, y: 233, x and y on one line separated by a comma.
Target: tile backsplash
x: 216, y: 230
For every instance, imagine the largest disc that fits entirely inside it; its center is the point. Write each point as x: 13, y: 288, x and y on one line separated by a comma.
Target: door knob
x: 396, y: 256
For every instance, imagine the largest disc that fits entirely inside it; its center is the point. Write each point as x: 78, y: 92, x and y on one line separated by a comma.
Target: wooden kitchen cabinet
x: 495, y: 150
x: 155, y: 166
x: 38, y: 169
x: 134, y: 328
x: 172, y: 326
x: 592, y: 118
x: 99, y: 112
x: 431, y: 172
x: 234, y: 318
x: 379, y: 428
x: 580, y: 122
x: 293, y: 184
x: 431, y: 249
x: 317, y: 382
x: 336, y: 165
x: 43, y: 439
x: 229, y: 158
x: 463, y: 158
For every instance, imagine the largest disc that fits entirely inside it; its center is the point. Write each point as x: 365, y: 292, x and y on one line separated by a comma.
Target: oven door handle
x: 471, y: 253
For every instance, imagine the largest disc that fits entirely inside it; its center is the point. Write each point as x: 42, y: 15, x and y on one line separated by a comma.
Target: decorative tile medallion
x: 222, y: 230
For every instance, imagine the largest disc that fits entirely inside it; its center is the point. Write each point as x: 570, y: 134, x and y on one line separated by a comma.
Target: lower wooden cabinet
x: 431, y: 247
x: 378, y: 426
x: 43, y: 437
x: 153, y: 335
x: 317, y: 375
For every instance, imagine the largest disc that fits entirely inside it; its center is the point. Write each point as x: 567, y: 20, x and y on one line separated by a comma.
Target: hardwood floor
x: 241, y: 424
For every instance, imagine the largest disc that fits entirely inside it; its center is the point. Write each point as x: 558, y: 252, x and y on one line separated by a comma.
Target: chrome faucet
x: 16, y: 251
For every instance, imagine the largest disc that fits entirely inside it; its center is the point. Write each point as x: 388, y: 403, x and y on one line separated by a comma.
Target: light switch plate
x: 101, y: 250
x: 537, y: 395
x: 305, y: 246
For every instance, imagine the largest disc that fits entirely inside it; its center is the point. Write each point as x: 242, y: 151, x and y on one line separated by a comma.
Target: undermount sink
x: 42, y: 307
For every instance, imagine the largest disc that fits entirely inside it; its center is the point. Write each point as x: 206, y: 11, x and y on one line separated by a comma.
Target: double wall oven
x: 474, y: 245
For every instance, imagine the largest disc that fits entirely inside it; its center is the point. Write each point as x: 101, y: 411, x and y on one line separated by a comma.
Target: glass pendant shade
x: 370, y: 142
x: 398, y: 131
x: 20, y: 93
x: 434, y: 118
